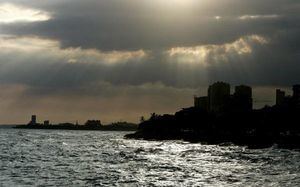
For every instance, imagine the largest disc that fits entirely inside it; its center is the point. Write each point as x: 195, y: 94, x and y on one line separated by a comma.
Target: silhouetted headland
x: 224, y: 118
x: 89, y: 125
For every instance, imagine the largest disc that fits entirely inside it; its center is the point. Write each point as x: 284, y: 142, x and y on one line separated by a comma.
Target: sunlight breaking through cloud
x: 10, y: 13
x: 206, y: 54
x: 247, y: 17
x: 34, y: 47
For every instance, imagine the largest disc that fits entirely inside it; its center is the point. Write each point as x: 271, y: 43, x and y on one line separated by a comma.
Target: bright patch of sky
x: 10, y: 13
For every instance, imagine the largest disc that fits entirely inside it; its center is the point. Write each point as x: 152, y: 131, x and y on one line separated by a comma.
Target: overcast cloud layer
x: 117, y: 60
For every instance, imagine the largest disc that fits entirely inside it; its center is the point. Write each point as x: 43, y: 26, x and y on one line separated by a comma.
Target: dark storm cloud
x: 265, y: 64
x: 131, y: 25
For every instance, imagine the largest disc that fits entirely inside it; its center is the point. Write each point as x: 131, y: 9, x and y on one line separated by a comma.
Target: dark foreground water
x: 86, y: 158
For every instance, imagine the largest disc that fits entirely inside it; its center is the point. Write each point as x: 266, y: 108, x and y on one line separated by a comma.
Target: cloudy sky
x: 68, y: 60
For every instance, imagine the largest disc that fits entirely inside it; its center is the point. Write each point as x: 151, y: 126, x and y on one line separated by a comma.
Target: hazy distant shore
x: 111, y: 127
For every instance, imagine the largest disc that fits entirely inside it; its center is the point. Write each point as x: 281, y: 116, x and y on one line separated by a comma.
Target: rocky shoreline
x: 255, y: 129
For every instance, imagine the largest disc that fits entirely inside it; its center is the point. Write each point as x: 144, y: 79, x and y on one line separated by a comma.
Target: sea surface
x: 90, y: 158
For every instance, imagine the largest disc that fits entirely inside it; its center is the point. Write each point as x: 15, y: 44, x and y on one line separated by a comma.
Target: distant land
x: 5, y: 126
x: 221, y: 118
x: 89, y: 125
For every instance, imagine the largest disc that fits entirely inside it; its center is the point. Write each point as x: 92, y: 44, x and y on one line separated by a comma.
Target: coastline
x: 222, y: 117
x: 79, y: 127
x: 255, y: 129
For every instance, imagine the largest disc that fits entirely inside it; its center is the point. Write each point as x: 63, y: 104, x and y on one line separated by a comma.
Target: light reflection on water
x: 86, y: 158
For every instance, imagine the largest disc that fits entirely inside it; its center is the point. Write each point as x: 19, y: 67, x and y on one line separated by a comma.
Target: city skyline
x: 69, y: 60
x: 220, y: 96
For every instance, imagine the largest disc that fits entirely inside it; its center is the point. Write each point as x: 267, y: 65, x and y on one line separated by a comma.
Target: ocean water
x: 89, y: 158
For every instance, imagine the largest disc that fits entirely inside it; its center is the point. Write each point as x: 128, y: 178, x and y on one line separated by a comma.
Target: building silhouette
x: 201, y: 103
x: 46, y: 122
x: 296, y: 95
x: 220, y: 100
x: 286, y: 101
x: 93, y: 123
x: 218, y: 96
x: 33, y: 120
x: 242, y: 98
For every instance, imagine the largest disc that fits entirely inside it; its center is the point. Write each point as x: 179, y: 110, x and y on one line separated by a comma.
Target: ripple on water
x: 86, y: 158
